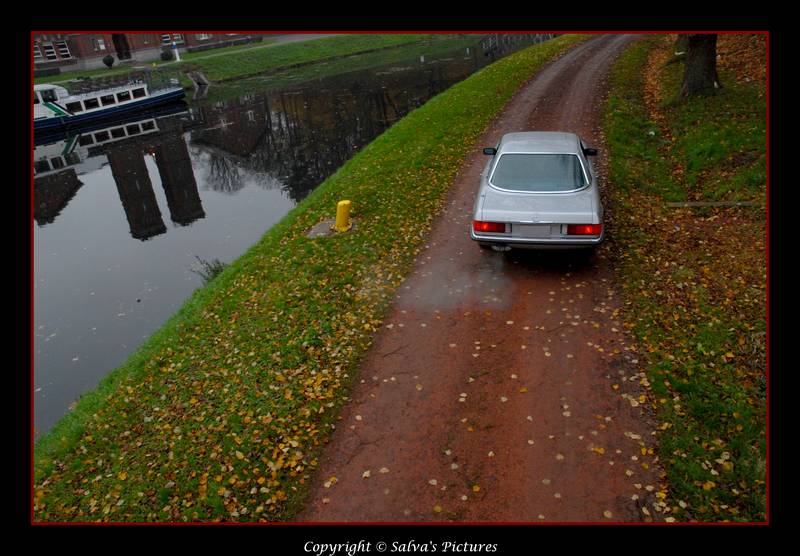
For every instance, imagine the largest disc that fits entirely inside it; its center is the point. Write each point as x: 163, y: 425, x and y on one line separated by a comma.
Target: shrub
x: 166, y: 55
x: 209, y: 270
x: 108, y: 60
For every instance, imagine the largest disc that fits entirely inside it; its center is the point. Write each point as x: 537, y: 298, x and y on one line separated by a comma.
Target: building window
x: 74, y: 107
x: 138, y: 93
x: 37, y: 54
x: 168, y: 38
x: 118, y: 132
x: 41, y: 166
x: 49, y: 95
x: 98, y: 44
x: 147, y: 126
x: 107, y: 99
x: 63, y: 50
x: 101, y: 136
x: 91, y: 103
x: 203, y: 37
x: 85, y: 140
x: 133, y: 129
x: 49, y: 51
x: 123, y: 96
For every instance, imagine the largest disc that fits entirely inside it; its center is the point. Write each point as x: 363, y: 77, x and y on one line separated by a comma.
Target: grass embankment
x: 239, y: 65
x: 222, y: 412
x: 188, y: 56
x: 695, y: 279
x: 405, y: 54
x: 244, y: 60
x: 128, y: 67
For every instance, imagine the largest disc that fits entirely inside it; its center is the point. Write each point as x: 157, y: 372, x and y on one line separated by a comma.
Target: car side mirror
x: 490, y: 151
x: 590, y: 152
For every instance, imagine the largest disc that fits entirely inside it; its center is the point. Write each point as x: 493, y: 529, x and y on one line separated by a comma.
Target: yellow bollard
x: 342, y: 217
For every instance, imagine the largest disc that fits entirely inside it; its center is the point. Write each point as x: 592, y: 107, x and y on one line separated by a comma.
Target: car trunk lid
x: 539, y: 215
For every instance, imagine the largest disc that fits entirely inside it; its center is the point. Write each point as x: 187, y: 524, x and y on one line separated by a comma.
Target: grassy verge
x: 236, y: 61
x: 293, y: 54
x: 221, y: 414
x: 100, y: 72
x: 409, y: 53
x: 694, y: 279
x: 238, y: 48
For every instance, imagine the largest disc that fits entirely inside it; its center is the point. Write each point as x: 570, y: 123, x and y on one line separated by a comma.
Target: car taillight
x: 497, y: 227
x: 584, y: 229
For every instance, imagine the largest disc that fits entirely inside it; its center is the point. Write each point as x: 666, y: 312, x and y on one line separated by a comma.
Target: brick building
x: 84, y: 51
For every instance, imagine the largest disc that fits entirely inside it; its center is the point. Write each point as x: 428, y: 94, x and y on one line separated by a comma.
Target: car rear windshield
x: 538, y: 172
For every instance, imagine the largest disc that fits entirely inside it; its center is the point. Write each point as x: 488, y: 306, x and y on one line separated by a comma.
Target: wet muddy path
x: 499, y: 388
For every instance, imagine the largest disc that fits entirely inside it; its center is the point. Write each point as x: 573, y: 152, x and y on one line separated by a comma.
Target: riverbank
x: 220, y: 415
x: 413, y: 53
x: 695, y: 278
x: 238, y: 62
x: 295, y: 55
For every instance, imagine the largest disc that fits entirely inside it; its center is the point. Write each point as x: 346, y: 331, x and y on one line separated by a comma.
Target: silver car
x: 539, y: 190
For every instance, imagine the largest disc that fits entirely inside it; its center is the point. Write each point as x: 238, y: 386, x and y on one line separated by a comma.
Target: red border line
x: 393, y: 523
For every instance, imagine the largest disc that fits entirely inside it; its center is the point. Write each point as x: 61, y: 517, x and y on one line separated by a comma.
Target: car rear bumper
x: 537, y: 243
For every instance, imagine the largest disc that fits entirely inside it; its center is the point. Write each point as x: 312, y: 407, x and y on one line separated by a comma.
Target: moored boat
x: 55, y: 108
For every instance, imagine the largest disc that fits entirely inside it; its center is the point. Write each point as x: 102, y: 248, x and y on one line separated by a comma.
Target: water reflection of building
x: 52, y: 192
x: 299, y: 137
x: 135, y: 191
x: 177, y: 179
x: 125, y: 146
x: 296, y: 137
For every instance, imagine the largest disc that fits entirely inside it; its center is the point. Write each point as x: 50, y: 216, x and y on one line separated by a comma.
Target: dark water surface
x: 122, y: 213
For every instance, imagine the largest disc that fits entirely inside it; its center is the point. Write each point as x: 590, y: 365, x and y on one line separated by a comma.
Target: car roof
x: 540, y: 141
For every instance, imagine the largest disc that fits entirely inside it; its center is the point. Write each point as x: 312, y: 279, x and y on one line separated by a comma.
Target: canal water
x: 124, y: 214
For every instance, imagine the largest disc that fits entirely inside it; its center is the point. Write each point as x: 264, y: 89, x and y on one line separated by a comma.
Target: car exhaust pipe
x: 501, y: 248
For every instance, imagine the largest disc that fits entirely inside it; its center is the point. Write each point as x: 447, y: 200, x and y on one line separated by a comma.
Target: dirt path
x: 489, y: 394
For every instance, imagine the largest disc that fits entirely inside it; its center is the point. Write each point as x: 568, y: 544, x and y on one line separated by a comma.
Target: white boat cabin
x: 45, y: 97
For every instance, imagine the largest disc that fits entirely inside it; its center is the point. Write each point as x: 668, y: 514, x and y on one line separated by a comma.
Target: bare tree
x: 223, y: 174
x: 700, y: 74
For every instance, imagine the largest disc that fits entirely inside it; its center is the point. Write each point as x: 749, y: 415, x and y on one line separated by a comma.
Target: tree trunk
x: 680, y: 44
x: 701, y: 65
